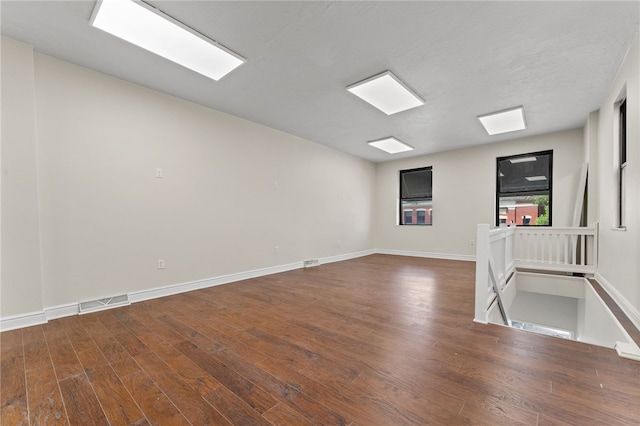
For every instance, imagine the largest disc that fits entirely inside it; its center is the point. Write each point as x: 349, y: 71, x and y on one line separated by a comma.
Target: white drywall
x: 464, y: 185
x: 235, y: 196
x: 20, y: 289
x: 619, y: 250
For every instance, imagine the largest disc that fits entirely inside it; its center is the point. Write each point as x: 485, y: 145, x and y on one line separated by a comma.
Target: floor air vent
x: 311, y: 263
x: 105, y: 303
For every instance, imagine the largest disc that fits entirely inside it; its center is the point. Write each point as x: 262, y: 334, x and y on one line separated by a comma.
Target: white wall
x: 596, y: 323
x: 20, y: 289
x: 83, y: 215
x: 546, y: 310
x: 464, y: 193
x: 232, y: 190
x: 618, y: 267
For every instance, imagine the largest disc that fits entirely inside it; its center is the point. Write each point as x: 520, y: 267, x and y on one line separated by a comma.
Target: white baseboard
x: 154, y: 293
x: 23, y: 320
x: 347, y: 256
x: 446, y: 256
x: 36, y: 318
x: 61, y: 311
x: 631, y: 311
x: 628, y: 350
x: 138, y: 296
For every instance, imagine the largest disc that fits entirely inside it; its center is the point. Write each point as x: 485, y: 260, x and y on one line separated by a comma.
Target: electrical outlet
x: 159, y: 173
x: 160, y: 263
x: 472, y: 242
x: 276, y: 250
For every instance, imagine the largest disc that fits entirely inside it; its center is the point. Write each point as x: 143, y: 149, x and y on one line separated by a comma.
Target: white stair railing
x: 557, y: 249
x: 501, y: 250
x: 494, y: 265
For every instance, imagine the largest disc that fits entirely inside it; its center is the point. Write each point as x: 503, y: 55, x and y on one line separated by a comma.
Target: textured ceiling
x: 557, y: 59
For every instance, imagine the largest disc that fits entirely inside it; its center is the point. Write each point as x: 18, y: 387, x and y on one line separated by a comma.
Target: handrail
x: 557, y: 249
x: 494, y: 265
x: 501, y: 250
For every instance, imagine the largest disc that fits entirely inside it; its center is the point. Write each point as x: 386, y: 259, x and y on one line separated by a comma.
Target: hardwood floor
x: 379, y: 340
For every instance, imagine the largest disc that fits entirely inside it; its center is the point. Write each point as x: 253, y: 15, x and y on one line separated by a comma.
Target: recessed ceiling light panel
x: 522, y: 160
x: 390, y: 145
x: 504, y: 121
x: 152, y: 30
x: 387, y: 93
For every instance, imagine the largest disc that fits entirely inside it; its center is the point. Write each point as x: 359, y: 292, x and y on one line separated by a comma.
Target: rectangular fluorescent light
x: 152, y: 30
x: 387, y: 93
x: 390, y: 145
x: 504, y: 121
x: 535, y: 178
x: 522, y: 160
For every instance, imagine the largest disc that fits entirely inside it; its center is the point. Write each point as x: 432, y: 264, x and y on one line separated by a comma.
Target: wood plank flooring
x: 378, y: 340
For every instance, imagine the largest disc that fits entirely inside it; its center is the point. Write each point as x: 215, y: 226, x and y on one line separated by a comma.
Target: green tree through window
x: 543, y: 203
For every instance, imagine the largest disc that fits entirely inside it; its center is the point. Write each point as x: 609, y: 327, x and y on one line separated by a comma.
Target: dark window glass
x: 416, y: 183
x: 524, y: 187
x: 623, y: 132
x: 408, y: 217
x: 416, y: 193
x: 622, y: 140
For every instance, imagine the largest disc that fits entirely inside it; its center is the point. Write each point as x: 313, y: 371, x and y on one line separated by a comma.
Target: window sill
x: 620, y: 229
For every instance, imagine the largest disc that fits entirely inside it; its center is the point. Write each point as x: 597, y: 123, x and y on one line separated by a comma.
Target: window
x: 408, y: 217
x: 524, y: 184
x: 622, y: 141
x: 416, y: 196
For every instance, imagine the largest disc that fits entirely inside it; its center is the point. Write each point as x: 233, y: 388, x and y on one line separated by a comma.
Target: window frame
x: 402, y: 199
x: 524, y: 193
x: 622, y: 162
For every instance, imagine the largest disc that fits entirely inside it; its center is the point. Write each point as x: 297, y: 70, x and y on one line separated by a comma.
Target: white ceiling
x: 465, y: 59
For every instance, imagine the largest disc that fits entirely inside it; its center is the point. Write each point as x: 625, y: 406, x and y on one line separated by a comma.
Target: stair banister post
x: 482, y: 273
